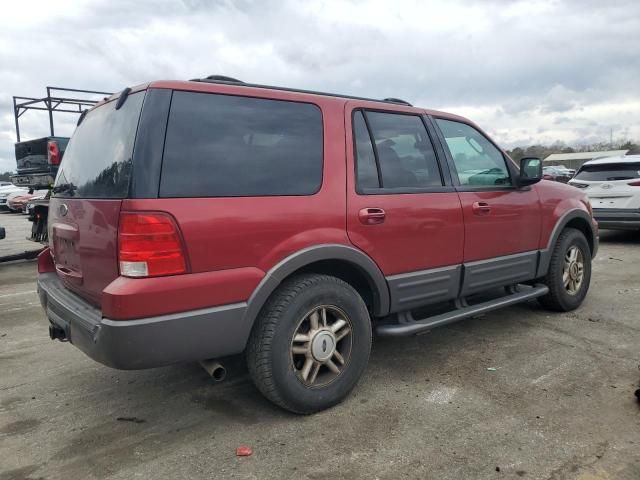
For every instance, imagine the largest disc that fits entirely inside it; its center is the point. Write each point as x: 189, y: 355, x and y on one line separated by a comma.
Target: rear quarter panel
x: 257, y: 232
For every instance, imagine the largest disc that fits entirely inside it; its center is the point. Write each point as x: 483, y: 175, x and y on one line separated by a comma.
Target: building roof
x: 555, y: 157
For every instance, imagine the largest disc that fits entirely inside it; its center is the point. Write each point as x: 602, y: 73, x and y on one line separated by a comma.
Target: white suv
x: 613, y: 187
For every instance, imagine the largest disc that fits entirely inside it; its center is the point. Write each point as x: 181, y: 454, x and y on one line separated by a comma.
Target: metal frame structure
x: 53, y: 103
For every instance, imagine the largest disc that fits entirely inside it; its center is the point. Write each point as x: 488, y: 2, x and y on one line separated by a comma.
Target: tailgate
x: 32, y: 155
x: 615, y: 194
x: 83, y: 236
x: 84, y: 209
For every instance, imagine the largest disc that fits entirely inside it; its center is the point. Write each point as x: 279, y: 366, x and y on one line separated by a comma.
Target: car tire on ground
x: 569, y: 272
x: 311, y: 343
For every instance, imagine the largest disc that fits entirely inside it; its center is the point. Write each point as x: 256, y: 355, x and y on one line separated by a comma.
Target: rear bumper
x: 35, y: 180
x: 146, y: 342
x: 617, y: 218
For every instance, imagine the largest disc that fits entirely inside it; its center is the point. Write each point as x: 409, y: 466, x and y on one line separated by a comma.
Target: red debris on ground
x: 243, y: 451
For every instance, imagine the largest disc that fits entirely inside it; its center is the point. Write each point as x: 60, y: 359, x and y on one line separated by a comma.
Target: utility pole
x: 611, y: 137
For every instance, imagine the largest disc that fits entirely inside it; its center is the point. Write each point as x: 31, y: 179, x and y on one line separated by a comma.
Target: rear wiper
x: 64, y: 187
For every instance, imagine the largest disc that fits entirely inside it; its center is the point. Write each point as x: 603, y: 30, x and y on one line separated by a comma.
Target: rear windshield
x: 97, y: 160
x: 229, y: 146
x: 609, y: 172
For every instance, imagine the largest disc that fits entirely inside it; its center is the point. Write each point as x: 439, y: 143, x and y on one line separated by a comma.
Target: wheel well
x: 348, y: 272
x: 582, y: 225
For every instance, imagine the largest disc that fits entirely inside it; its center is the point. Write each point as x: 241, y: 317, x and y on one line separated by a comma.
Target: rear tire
x: 569, y: 273
x: 311, y: 343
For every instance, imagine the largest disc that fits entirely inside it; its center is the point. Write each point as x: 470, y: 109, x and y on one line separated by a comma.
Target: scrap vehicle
x: 38, y: 159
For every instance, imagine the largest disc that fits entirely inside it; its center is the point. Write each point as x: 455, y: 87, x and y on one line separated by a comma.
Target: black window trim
x: 373, y: 146
x: 511, y: 168
x: 444, y: 172
x: 257, y: 97
x: 148, y: 148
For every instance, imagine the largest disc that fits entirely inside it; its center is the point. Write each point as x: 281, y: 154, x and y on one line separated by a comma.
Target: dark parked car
x: 555, y: 174
x: 193, y: 220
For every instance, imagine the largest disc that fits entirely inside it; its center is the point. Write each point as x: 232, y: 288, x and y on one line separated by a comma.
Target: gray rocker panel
x: 415, y: 289
x: 497, y: 272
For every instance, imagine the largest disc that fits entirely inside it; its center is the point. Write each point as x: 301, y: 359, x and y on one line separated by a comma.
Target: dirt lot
x: 559, y: 404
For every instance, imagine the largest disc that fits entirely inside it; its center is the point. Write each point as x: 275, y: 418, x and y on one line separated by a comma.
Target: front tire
x: 569, y: 273
x: 311, y: 343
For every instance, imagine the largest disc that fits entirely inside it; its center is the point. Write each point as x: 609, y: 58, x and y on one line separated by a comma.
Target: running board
x: 410, y: 326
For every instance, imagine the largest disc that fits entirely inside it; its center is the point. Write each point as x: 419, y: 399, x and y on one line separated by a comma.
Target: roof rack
x: 223, y: 79
x: 54, y: 103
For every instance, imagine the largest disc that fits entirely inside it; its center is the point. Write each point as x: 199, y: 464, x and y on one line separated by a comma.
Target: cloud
x: 515, y: 67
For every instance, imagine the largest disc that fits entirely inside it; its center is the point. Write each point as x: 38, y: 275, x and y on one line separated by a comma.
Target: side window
x: 401, y: 150
x: 230, y: 146
x: 478, y: 162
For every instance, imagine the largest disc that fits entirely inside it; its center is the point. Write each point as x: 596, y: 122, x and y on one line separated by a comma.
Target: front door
x: 401, y: 207
x: 502, y: 222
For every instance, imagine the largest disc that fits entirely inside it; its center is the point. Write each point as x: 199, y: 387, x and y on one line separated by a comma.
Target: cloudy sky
x: 527, y: 71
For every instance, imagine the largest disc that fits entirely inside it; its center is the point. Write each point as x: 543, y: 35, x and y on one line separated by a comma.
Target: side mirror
x: 2, y: 233
x: 530, y: 171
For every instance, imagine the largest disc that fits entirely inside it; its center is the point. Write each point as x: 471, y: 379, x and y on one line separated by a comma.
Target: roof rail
x: 217, y: 79
x: 224, y: 80
x: 399, y: 101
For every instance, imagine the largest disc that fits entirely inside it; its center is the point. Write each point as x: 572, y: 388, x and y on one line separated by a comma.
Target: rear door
x: 84, y: 209
x: 401, y: 208
x: 610, y: 185
x: 502, y: 223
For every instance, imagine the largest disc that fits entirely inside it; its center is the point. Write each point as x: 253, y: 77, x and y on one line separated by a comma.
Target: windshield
x: 609, y: 172
x: 97, y: 160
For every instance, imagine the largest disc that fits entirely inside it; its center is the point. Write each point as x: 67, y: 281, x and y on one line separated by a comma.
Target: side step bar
x: 410, y: 326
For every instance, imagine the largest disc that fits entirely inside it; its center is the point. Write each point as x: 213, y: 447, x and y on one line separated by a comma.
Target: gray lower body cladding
x: 143, y: 343
x: 498, y: 272
x: 417, y: 289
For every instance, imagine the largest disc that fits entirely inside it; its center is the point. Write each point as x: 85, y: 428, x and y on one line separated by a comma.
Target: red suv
x: 193, y: 220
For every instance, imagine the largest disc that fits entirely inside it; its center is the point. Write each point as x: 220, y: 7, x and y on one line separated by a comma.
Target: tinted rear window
x: 97, y: 160
x: 226, y: 146
x: 609, y: 172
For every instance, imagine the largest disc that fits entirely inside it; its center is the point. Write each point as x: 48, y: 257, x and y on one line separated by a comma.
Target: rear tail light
x: 635, y: 183
x: 149, y: 245
x: 53, y: 152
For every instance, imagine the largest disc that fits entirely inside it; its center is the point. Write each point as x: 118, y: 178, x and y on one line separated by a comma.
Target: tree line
x: 543, y: 151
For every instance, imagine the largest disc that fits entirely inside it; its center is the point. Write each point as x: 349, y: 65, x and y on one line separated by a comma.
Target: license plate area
x: 608, y: 202
x: 65, y: 247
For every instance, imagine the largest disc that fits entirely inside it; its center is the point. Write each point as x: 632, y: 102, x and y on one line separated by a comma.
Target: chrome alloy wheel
x: 321, y: 345
x: 573, y: 270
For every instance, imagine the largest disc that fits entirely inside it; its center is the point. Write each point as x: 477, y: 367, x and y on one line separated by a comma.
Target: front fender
x: 573, y: 215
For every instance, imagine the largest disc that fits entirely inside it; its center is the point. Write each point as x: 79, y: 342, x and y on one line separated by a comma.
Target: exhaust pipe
x: 215, y: 369
x: 57, y: 333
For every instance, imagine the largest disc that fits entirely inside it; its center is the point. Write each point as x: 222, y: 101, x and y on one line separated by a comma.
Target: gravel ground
x: 559, y: 404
